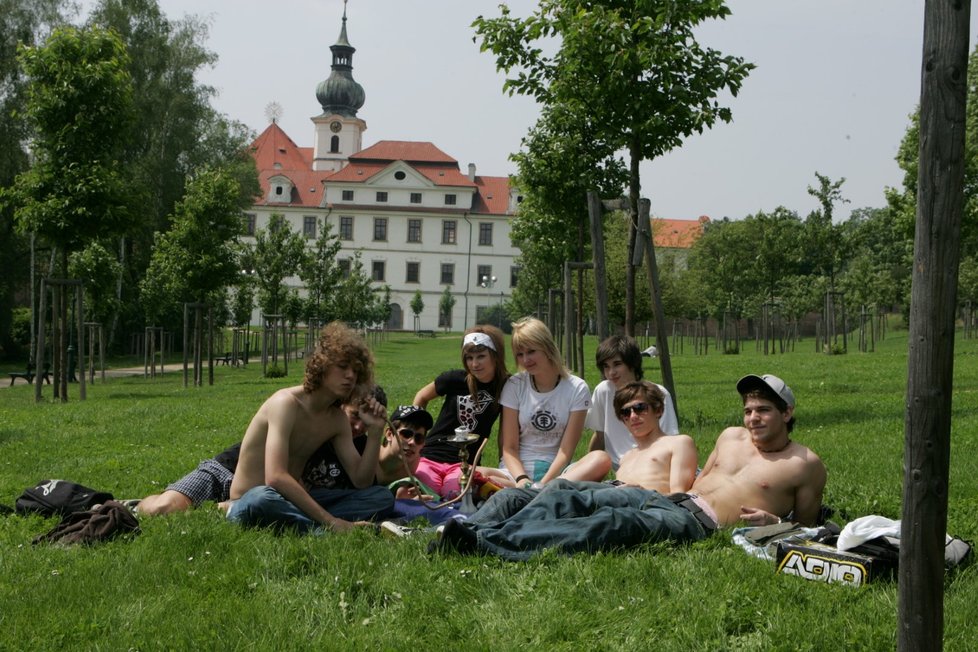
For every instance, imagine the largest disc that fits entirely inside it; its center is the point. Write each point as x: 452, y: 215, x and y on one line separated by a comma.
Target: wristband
x: 521, y: 478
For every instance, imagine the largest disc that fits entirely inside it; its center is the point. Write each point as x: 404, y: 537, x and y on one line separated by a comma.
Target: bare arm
x: 682, y: 468
x: 597, y: 442
x: 281, y: 419
x: 509, y: 431
x: 425, y: 395
x: 362, y: 469
x: 808, y: 496
x: 568, y: 444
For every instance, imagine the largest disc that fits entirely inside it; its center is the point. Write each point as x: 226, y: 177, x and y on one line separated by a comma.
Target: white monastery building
x: 418, y: 220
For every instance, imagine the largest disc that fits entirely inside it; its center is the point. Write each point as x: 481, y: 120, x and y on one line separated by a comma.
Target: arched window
x: 334, y: 144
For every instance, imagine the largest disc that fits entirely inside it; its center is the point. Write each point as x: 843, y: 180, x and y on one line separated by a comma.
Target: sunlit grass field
x: 193, y: 581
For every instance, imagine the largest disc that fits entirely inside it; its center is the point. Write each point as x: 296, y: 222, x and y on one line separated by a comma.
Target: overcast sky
x: 834, y: 85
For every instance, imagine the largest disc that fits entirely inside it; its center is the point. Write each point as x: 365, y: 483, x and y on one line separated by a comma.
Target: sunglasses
x: 411, y: 435
x: 637, y: 408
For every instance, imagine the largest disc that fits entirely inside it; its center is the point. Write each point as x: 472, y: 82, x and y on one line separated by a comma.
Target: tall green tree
x: 446, y: 303
x: 177, y: 132
x: 825, y: 244
x: 98, y: 268
x: 22, y: 22
x: 278, y: 252
x: 80, y: 106
x: 356, y: 300
x: 417, y: 305
x: 559, y: 163
x: 197, y: 259
x: 632, y: 71
x: 320, y: 274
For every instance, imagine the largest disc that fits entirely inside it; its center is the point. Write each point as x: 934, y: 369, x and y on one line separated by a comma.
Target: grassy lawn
x: 193, y: 581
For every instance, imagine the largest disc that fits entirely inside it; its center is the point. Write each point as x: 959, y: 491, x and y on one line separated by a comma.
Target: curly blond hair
x: 338, y: 344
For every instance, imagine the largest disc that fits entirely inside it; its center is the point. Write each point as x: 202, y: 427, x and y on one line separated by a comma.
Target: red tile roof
x: 493, y: 195
x: 273, y: 149
x: 307, y: 191
x: 677, y: 234
x: 403, y: 150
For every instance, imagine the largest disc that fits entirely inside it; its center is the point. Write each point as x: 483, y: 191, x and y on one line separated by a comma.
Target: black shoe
x: 456, y: 536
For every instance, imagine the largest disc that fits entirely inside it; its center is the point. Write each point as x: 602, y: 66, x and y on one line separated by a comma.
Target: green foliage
x: 320, y: 273
x: 80, y: 105
x: 274, y: 371
x: 99, y: 269
x: 198, y: 257
x: 22, y: 22
x: 278, y: 251
x: 356, y: 301
x: 446, y: 303
x: 643, y: 86
x: 179, y: 133
x: 417, y: 303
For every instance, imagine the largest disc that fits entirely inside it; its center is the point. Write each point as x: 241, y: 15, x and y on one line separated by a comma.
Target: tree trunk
x: 940, y: 201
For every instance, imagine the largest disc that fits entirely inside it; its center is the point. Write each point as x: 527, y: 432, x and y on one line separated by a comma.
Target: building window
x: 347, y: 195
x: 448, y: 273
x: 448, y: 231
x: 483, y: 272
x: 278, y: 191
x: 346, y: 227
x: 414, y: 230
x: 309, y: 226
x: 415, y: 197
x: 334, y: 145
x: 485, y: 234
x: 344, y: 266
x: 380, y: 228
x: 400, y: 175
x: 381, y: 196
x: 449, y: 200
x: 514, y: 276
x: 413, y: 274
x: 377, y: 270
x: 249, y: 223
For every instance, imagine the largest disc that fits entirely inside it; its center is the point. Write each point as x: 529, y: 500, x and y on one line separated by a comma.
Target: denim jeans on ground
x: 262, y: 506
x: 581, y: 517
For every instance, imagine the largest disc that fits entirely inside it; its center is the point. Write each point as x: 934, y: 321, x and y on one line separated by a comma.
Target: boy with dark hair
x: 620, y: 362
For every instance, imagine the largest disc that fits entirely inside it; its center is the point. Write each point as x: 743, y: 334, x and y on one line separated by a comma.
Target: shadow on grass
x: 136, y: 395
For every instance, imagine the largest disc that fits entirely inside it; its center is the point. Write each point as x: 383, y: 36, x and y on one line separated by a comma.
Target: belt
x: 686, y: 502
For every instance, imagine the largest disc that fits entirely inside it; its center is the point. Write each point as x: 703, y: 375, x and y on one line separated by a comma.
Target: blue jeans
x: 578, y: 517
x: 262, y: 506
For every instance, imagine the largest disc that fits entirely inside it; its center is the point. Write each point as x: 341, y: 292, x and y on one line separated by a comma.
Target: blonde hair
x: 531, y: 333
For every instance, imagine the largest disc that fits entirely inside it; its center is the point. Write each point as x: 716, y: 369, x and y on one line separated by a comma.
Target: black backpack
x: 61, y: 497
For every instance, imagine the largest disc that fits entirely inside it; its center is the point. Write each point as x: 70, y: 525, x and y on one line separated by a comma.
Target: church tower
x: 339, y: 132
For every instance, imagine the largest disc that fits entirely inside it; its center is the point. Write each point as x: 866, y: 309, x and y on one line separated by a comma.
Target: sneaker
x: 394, y: 531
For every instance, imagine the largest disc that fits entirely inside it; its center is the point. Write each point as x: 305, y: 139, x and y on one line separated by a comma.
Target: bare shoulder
x: 808, y: 457
x: 679, y: 443
x: 733, y: 435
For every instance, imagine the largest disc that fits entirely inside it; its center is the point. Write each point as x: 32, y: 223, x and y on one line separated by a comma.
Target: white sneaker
x: 395, y: 531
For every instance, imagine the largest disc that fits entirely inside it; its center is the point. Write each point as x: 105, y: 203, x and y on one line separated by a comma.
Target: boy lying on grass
x: 755, y: 474
x: 211, y: 480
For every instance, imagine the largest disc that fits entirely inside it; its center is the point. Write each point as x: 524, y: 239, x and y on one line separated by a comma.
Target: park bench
x: 230, y: 359
x: 29, y: 374
x: 425, y: 333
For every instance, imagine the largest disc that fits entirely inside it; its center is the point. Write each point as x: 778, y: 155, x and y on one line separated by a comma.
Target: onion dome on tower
x: 340, y: 94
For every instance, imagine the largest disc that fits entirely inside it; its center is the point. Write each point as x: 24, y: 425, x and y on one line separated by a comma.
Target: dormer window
x: 280, y: 189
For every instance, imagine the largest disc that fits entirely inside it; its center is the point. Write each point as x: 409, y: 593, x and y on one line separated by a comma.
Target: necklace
x: 544, y: 391
x: 776, y: 450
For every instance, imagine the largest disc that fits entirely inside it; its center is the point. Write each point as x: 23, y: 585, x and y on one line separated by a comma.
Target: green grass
x: 193, y: 581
